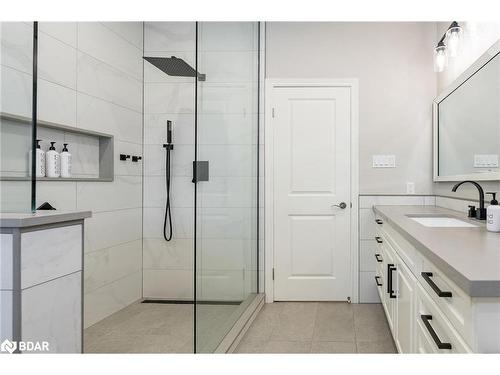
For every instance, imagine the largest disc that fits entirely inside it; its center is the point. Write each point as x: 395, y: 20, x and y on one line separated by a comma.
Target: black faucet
x: 481, y: 211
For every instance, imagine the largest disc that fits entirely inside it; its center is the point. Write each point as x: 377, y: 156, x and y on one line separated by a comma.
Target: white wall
x: 90, y: 76
x: 477, y: 38
x: 393, y: 62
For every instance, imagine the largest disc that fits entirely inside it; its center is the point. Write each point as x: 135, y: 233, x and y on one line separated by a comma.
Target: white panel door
x: 311, y: 175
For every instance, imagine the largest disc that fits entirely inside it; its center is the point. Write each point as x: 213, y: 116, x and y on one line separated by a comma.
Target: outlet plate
x: 486, y: 161
x: 383, y: 161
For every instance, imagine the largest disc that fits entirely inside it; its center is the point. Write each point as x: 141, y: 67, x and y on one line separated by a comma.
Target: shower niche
x: 92, y: 152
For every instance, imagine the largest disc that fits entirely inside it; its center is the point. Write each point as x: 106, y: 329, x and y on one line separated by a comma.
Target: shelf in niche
x: 106, y: 149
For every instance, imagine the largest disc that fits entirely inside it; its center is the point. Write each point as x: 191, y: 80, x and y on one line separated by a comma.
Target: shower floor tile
x: 154, y: 328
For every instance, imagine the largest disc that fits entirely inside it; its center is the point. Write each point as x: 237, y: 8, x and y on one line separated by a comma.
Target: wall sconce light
x: 448, y: 45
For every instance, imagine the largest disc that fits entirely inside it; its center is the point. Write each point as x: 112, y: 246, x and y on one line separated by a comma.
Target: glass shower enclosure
x: 201, y: 169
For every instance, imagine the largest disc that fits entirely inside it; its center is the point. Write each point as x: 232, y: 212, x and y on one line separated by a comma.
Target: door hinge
x: 272, y: 112
x: 273, y: 273
x: 348, y: 299
x: 350, y: 204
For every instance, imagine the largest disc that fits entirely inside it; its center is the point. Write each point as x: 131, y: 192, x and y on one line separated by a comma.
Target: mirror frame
x: 493, y: 51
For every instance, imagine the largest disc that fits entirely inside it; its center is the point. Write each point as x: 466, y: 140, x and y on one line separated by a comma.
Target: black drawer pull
x: 379, y: 259
x: 378, y: 239
x: 390, y: 268
x: 427, y: 277
x: 439, y: 343
x: 379, y: 222
x: 376, y: 281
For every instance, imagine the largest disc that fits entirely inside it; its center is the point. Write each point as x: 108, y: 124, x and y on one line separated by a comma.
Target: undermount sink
x: 440, y: 221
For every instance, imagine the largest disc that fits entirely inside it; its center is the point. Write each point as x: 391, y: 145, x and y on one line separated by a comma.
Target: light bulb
x: 453, y: 39
x: 440, y: 57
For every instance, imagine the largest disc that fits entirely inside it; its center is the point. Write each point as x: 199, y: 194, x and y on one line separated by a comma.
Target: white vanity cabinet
x: 417, y: 322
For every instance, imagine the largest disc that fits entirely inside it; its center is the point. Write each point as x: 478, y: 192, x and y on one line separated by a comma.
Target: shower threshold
x: 191, y: 302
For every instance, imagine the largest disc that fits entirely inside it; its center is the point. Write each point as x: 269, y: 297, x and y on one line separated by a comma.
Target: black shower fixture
x: 174, y: 66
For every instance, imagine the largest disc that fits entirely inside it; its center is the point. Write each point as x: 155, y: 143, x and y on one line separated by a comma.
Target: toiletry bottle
x: 52, y: 162
x: 493, y: 215
x: 65, y: 162
x: 40, y: 160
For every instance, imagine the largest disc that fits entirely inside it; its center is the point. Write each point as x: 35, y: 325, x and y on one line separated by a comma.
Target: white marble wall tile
x: 56, y: 103
x: 155, y: 129
x: 171, y: 284
x: 228, y: 98
x: 95, y: 40
x: 169, y: 36
x: 227, y: 129
x: 239, y: 66
x: 227, y: 36
x: 62, y: 254
x: 64, y: 31
x: 106, y: 229
x: 52, y: 312
x: 225, y: 223
x: 107, y: 265
x: 123, y: 192
x: 17, y: 46
x: 430, y: 201
x: 84, y: 154
x: 367, y: 249
x: 60, y: 194
x: 224, y: 285
x: 131, y: 31
x: 112, y: 297
x: 176, y: 254
x: 15, y: 92
x: 181, y: 160
x: 367, y: 288
x: 56, y: 61
x: 181, y: 193
x: 5, y: 315
x: 15, y: 143
x: 455, y: 204
x: 168, y: 98
x: 6, y: 261
x: 183, y: 222
x: 229, y: 160
x: 227, y: 254
x: 100, y: 115
x: 106, y: 82
x: 15, y: 196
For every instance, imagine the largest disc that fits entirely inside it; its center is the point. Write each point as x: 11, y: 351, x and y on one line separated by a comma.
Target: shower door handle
x: 200, y: 171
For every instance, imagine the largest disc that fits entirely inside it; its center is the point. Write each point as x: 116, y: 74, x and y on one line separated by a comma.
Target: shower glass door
x: 226, y: 209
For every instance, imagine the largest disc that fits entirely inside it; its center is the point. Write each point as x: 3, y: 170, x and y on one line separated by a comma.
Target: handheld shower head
x: 169, y: 131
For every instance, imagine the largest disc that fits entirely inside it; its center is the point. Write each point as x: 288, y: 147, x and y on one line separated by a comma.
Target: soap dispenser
x: 52, y: 161
x: 65, y: 162
x: 40, y: 160
x: 493, y: 215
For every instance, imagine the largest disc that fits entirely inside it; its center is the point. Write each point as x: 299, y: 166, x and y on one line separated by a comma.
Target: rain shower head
x: 174, y: 66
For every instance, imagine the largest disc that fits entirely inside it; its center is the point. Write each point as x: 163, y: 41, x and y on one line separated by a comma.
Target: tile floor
x: 318, y: 327
x: 157, y: 328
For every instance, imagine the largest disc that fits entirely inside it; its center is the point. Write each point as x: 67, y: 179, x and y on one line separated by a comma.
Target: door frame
x: 270, y: 84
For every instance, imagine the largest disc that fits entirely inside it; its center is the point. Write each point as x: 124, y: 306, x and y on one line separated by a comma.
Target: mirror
x: 467, y: 123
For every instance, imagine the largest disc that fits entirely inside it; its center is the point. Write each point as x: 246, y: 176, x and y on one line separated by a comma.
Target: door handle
x: 341, y: 205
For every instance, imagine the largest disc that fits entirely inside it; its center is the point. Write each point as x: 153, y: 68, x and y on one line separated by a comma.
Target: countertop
x: 21, y: 220
x: 468, y: 256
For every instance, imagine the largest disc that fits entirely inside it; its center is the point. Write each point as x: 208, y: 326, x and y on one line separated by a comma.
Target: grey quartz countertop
x: 21, y: 220
x: 468, y: 256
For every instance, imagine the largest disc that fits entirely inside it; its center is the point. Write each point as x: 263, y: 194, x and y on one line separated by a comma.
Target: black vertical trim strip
x: 258, y: 156
x: 196, y: 183
x: 34, y: 96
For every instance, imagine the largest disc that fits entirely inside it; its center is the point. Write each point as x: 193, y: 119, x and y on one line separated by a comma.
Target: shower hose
x: 168, y: 213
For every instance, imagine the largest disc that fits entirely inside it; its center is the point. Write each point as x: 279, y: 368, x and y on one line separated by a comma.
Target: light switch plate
x: 384, y: 161
x: 410, y: 188
x: 486, y: 161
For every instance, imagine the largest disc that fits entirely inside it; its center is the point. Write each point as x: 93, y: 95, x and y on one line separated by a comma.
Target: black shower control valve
x: 168, y: 146
x: 136, y: 158
x: 124, y: 157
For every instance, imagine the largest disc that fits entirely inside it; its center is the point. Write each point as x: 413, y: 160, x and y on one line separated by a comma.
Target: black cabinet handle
x: 390, y: 269
x: 376, y: 281
x: 379, y: 222
x: 378, y: 239
x: 427, y: 277
x: 379, y: 259
x: 439, y: 343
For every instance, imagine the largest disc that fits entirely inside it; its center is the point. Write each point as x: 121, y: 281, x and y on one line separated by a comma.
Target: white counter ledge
x: 21, y: 220
x: 469, y: 256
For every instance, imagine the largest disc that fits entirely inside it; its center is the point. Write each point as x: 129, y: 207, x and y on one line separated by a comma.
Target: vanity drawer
x: 457, y: 308
x: 434, y: 328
